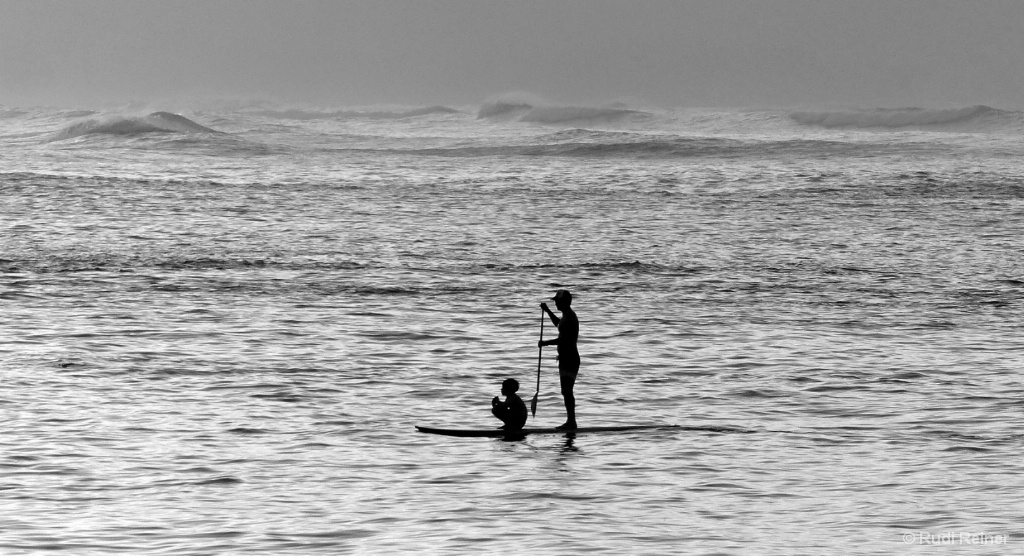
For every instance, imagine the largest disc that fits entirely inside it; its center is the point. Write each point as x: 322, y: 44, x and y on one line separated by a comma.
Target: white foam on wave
x: 894, y: 117
x: 157, y: 122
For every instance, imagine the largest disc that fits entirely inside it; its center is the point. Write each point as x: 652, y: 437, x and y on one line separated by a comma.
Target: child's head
x: 510, y: 386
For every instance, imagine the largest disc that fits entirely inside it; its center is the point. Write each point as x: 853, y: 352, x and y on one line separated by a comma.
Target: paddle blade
x: 533, y: 405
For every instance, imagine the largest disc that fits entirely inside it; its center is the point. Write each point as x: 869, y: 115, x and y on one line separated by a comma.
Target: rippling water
x: 219, y: 343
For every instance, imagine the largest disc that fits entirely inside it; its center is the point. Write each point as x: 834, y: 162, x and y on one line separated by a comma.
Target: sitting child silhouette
x: 512, y: 411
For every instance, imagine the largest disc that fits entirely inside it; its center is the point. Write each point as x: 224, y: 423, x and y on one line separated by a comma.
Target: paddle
x: 540, y: 350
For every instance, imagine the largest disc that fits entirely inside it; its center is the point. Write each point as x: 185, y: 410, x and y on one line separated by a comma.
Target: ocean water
x: 219, y: 326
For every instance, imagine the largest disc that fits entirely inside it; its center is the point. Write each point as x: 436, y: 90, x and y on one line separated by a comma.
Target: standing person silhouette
x: 568, y: 355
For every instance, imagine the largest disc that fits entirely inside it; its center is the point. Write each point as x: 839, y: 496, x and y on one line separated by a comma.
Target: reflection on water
x: 208, y: 353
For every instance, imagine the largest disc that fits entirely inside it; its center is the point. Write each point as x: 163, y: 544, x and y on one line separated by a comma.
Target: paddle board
x: 498, y: 433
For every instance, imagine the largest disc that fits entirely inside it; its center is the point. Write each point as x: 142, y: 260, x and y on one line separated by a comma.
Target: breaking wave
x: 526, y: 107
x: 157, y: 122
x: 355, y: 114
x: 892, y: 118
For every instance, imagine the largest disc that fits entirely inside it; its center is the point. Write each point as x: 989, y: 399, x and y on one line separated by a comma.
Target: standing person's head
x: 509, y: 386
x: 563, y: 299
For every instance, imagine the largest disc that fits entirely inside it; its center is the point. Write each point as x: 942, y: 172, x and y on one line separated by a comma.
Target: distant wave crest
x: 895, y: 117
x: 595, y: 144
x: 295, y: 114
x: 567, y: 114
x: 157, y: 122
x: 526, y: 107
x: 510, y: 104
x: 6, y: 113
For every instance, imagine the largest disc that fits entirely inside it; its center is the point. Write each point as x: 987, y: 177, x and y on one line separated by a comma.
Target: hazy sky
x: 687, y: 53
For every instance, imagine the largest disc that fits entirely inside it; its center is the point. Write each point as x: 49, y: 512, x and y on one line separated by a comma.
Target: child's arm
x: 499, y: 408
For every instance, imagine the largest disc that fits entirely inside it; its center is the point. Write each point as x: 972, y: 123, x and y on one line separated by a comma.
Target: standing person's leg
x: 567, y: 373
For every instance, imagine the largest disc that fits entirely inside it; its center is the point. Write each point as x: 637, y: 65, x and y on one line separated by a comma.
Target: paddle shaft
x: 540, y: 352
x: 540, y: 349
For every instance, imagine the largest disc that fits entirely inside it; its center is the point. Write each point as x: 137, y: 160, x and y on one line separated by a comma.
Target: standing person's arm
x: 554, y: 319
